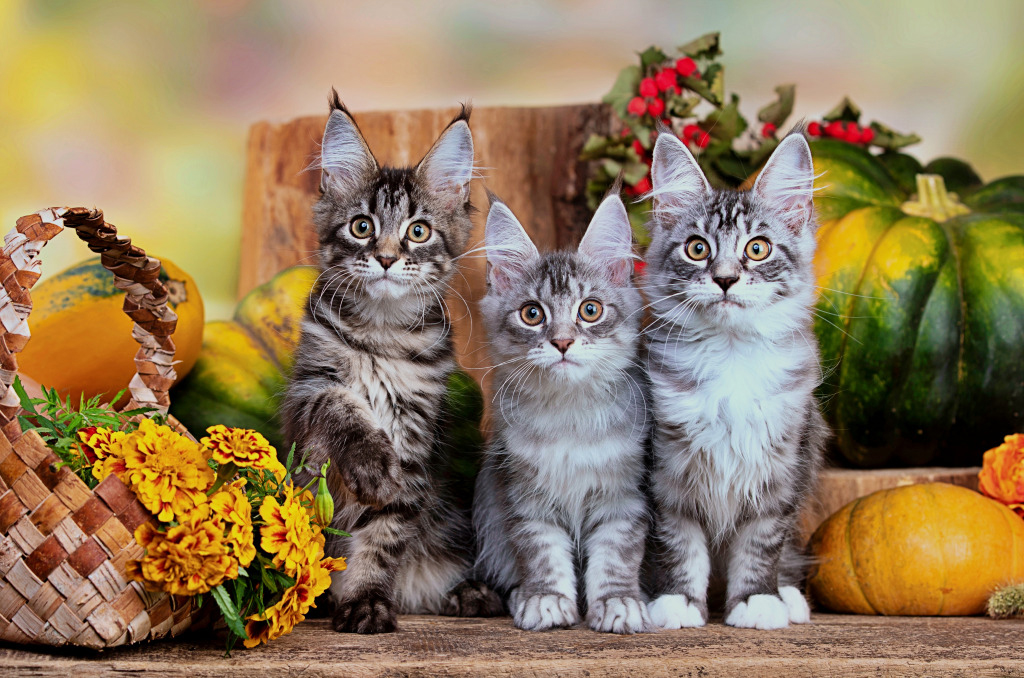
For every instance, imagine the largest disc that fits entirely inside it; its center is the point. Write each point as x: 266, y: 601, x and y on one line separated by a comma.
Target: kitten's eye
x: 418, y: 232
x: 758, y: 248
x: 591, y: 310
x: 361, y: 227
x: 532, y: 314
x: 697, y: 248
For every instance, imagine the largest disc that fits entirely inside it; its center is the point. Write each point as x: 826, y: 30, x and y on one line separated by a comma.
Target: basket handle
x: 135, y: 273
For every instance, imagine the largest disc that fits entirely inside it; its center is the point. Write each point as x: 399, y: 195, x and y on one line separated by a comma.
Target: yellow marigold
x: 231, y: 505
x: 243, y: 447
x: 104, y: 449
x: 289, y: 532
x: 169, y: 472
x: 296, y: 601
x: 1002, y: 473
x: 187, y: 559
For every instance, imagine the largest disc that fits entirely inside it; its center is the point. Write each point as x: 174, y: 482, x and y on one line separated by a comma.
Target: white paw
x: 676, y: 612
x: 760, y: 611
x: 796, y: 605
x: 541, y: 612
x: 619, y: 615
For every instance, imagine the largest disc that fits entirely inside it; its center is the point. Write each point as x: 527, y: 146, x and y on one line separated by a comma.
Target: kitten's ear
x: 786, y: 184
x: 609, y: 240
x: 509, y: 249
x: 678, y: 180
x: 448, y: 166
x: 345, y: 159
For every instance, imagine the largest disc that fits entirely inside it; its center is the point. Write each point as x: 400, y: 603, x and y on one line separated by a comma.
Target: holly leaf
x: 624, y: 89
x: 679, y: 106
x: 632, y: 172
x: 890, y: 139
x: 780, y: 109
x: 725, y: 123
x: 845, y: 110
x: 704, y: 47
x: 597, y: 146
x: 652, y: 56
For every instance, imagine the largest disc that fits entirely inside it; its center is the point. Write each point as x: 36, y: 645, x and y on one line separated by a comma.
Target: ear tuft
x: 676, y: 177
x: 509, y: 249
x: 786, y: 184
x: 345, y: 159
x: 608, y: 241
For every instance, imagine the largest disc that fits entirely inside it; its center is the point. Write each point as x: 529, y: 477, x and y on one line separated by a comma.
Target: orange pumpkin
x: 929, y: 549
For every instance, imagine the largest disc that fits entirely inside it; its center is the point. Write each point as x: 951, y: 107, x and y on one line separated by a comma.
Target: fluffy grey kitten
x: 733, y: 365
x: 559, y: 506
x: 370, y: 376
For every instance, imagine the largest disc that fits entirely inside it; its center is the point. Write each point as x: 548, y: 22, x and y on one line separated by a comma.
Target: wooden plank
x: 432, y: 646
x: 838, y: 487
x: 528, y: 156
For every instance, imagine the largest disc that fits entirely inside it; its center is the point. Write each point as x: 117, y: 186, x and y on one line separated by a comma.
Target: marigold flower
x: 169, y: 473
x: 104, y: 449
x: 187, y: 559
x: 295, y: 603
x: 1002, y: 473
x: 244, y: 448
x: 289, y: 532
x: 232, y: 506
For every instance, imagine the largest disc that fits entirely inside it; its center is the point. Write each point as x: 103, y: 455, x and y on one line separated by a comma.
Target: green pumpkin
x: 920, y: 316
x: 241, y: 374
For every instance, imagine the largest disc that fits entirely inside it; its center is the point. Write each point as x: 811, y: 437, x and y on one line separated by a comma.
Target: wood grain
x: 435, y: 646
x: 527, y: 156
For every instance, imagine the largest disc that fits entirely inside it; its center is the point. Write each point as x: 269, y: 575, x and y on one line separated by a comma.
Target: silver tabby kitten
x: 560, y: 495
x: 733, y: 364
x: 371, y: 371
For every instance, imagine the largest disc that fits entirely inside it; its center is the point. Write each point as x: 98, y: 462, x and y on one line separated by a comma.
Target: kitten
x: 560, y: 489
x: 733, y: 364
x: 370, y: 373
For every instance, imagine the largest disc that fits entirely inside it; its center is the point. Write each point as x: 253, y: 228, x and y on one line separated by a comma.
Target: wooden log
x: 528, y: 156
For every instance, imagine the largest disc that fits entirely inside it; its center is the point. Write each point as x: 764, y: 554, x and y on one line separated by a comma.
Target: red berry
x: 638, y: 147
x: 814, y: 129
x: 686, y: 66
x: 834, y: 129
x: 648, y: 88
x: 665, y: 80
x: 768, y: 130
x: 867, y: 136
x: 639, y: 266
x: 703, y: 140
x: 853, y: 133
x: 624, y: 132
x: 691, y: 131
x: 643, y: 185
x: 637, y: 106
x: 656, y: 107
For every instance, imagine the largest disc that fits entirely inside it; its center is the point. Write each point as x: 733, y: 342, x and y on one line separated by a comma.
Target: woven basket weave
x: 64, y: 547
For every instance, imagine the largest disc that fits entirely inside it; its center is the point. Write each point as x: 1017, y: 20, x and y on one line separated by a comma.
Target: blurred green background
x: 142, y: 107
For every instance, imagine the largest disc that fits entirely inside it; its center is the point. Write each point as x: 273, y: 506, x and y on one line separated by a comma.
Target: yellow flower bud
x: 323, y: 505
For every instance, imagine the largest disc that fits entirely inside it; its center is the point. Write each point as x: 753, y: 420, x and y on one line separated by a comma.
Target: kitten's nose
x: 562, y: 344
x: 386, y: 262
x: 726, y: 283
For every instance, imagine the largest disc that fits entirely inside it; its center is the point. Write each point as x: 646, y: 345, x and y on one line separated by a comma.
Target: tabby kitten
x: 733, y: 365
x: 559, y: 495
x: 370, y: 375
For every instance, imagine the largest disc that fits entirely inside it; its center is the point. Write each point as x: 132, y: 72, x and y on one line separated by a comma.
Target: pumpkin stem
x: 933, y: 201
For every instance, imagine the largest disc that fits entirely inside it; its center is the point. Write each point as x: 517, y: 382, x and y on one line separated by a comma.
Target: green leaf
x: 652, y: 56
x: 890, y: 139
x: 780, y: 109
x: 26, y: 403
x: 634, y: 172
x: 725, y: 123
x: 338, y: 533
x: 845, y: 110
x: 681, y: 106
x: 229, y: 611
x: 624, y: 89
x: 711, y: 87
x: 704, y: 47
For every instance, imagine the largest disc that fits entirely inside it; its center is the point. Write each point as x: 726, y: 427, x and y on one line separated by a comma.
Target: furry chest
x: 404, y: 397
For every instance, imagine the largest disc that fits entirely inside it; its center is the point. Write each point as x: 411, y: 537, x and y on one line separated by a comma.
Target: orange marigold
x: 1002, y: 473
x: 187, y: 559
x: 243, y: 447
x: 295, y: 603
x: 169, y: 472
x: 104, y: 448
x: 233, y: 507
x: 289, y: 532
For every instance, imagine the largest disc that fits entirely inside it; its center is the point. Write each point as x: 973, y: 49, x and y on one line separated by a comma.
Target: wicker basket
x: 63, y: 547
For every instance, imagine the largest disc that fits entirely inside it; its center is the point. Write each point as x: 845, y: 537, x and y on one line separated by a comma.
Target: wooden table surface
x: 435, y: 646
